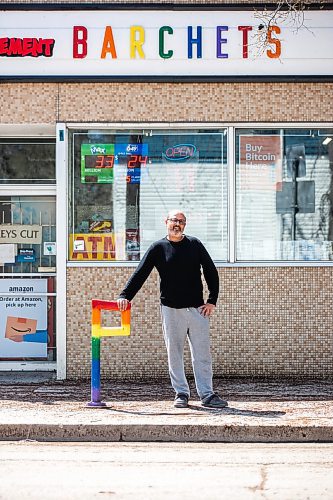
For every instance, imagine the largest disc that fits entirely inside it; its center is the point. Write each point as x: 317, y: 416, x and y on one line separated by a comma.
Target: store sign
x: 180, y: 152
x: 130, y: 43
x: 23, y: 318
x: 14, y: 233
x: 260, y: 163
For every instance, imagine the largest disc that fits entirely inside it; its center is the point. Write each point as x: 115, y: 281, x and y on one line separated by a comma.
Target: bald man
x: 179, y: 260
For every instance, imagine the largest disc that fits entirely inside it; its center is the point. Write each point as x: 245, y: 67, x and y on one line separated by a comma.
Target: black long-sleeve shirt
x: 179, y: 266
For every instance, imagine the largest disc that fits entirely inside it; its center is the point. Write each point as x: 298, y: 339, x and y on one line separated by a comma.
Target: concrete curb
x: 167, y: 433
x: 258, y: 412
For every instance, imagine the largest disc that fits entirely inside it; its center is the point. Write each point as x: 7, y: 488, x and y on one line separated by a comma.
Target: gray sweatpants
x: 179, y: 324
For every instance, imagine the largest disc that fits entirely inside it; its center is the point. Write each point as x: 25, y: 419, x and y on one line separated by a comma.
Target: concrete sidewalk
x: 274, y: 411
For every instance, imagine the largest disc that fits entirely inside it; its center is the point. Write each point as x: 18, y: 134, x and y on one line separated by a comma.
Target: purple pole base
x: 96, y: 404
x: 96, y: 397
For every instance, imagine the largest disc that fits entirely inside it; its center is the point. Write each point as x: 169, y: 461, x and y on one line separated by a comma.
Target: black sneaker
x: 214, y: 401
x: 181, y: 401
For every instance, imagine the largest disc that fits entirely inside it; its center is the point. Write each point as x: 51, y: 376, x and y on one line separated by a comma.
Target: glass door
x: 27, y: 277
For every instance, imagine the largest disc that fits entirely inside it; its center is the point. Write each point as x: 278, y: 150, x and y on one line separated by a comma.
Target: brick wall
x: 269, y: 322
x: 165, y: 102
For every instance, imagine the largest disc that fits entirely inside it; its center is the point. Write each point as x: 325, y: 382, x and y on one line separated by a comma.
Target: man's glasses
x: 181, y: 221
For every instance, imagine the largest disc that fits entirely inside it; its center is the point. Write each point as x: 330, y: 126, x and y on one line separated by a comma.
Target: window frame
x: 231, y: 181
x: 160, y: 130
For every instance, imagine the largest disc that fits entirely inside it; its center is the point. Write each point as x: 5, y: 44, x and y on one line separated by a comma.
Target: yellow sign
x: 92, y: 246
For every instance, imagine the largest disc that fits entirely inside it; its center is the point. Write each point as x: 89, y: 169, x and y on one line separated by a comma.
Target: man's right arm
x: 137, y: 279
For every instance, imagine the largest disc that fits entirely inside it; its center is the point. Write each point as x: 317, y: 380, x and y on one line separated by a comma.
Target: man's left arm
x: 212, y: 279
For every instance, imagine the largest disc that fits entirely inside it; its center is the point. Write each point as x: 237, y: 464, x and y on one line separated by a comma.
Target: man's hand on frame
x: 122, y: 304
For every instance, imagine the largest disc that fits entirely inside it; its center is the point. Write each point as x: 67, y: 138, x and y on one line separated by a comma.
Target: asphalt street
x: 158, y: 471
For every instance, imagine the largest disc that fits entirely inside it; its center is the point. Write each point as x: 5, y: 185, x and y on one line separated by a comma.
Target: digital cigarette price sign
x: 97, y: 162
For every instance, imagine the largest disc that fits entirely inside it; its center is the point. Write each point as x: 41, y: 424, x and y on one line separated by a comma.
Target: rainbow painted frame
x: 97, y: 331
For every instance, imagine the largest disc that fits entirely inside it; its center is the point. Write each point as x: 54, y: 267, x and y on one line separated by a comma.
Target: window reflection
x: 284, y: 194
x: 27, y: 161
x: 124, y: 183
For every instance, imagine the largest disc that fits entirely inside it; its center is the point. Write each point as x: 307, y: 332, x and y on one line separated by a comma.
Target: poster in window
x: 260, y: 162
x: 132, y: 244
x: 91, y: 215
x: 7, y: 253
x: 23, y: 318
x: 100, y: 226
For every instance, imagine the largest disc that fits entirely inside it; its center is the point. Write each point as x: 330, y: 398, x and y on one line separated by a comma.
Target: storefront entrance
x: 28, y: 278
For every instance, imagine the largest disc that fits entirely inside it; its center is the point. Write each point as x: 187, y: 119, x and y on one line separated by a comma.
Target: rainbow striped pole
x: 97, y: 331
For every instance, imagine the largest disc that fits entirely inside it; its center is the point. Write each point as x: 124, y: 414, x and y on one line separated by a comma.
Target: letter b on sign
x: 80, y: 37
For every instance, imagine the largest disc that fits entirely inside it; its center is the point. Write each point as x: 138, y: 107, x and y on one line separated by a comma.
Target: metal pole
x: 95, y: 359
x: 96, y: 373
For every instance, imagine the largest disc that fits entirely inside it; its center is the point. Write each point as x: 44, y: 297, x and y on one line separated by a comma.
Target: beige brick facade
x: 270, y: 321
x: 166, y: 102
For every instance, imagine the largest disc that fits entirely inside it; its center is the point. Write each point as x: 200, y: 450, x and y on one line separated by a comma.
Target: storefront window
x: 27, y: 161
x: 284, y: 194
x: 123, y: 183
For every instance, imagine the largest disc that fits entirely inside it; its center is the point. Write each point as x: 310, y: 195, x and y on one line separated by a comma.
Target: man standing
x: 179, y: 259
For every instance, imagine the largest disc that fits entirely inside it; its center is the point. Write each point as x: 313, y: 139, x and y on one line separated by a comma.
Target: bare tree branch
x: 291, y: 13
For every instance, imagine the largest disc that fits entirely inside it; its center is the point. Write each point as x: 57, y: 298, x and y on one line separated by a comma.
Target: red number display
x: 104, y: 161
x: 137, y: 161
x: 109, y: 161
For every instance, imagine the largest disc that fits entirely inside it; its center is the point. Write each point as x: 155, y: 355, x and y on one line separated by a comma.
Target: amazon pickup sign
x: 23, y: 318
x: 20, y: 234
x: 161, y: 43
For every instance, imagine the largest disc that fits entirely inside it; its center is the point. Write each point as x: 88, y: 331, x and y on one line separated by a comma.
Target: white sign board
x: 23, y: 318
x: 165, y: 43
x: 26, y: 234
